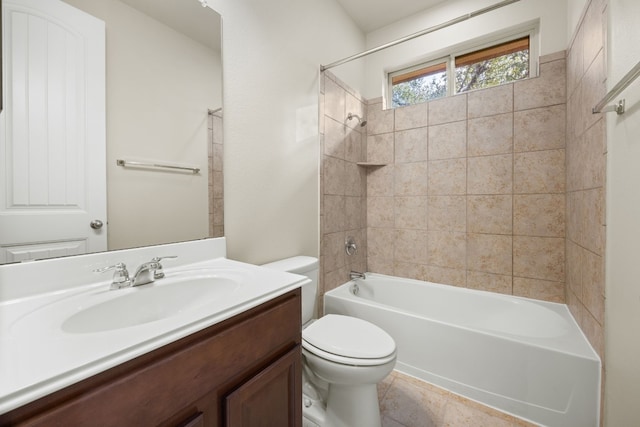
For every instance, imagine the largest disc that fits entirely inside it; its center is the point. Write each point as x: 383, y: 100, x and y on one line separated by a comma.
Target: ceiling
x: 370, y: 15
x: 186, y: 16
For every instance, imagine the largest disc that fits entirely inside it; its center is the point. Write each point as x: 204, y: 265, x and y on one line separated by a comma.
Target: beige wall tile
x: 412, y: 116
x: 539, y: 215
x: 380, y: 212
x: 354, y: 176
x: 410, y: 179
x: 353, y: 211
x: 448, y: 109
x: 380, y: 148
x: 547, y: 89
x: 332, y: 280
x: 410, y: 246
x: 410, y: 212
x: 218, y: 155
x: 410, y: 270
x: 334, y: 100
x: 447, y: 177
x: 490, y: 175
x: 539, y: 258
x: 334, y: 214
x: 446, y: 276
x: 490, y: 214
x: 594, y: 332
x: 574, y: 226
x: 591, y: 162
x: 218, y: 184
x: 489, y: 253
x: 593, y: 90
x: 575, y: 57
x: 540, y: 128
x: 490, y: 101
x: 379, y: 120
x: 333, y: 251
x: 574, y: 155
x: 447, y: 213
x: 380, y: 181
x: 490, y: 135
x: 411, y: 145
x: 334, y: 134
x: 380, y: 245
x: 539, y: 172
x: 334, y: 175
x: 539, y: 289
x: 592, y: 221
x: 354, y: 151
x: 448, y: 141
x: 593, y: 32
x: 381, y: 265
x: 354, y: 106
x: 574, y: 268
x: 447, y: 249
x: 490, y: 282
x: 550, y: 57
x: 593, y: 277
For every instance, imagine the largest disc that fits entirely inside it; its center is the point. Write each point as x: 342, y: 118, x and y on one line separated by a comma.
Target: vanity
x: 225, y: 354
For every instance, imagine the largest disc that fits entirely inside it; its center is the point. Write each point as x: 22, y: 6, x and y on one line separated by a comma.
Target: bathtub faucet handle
x: 357, y: 275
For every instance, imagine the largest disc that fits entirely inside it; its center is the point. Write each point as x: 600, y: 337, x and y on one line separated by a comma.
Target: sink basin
x: 180, y: 294
x: 149, y: 303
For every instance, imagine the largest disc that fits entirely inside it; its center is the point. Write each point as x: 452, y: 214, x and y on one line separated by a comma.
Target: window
x: 496, y: 64
x: 492, y: 66
x: 419, y: 85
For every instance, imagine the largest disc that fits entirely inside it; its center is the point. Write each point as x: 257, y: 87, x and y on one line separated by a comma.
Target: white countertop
x: 37, y: 357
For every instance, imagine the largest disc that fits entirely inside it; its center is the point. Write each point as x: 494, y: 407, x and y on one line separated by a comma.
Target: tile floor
x: 408, y: 402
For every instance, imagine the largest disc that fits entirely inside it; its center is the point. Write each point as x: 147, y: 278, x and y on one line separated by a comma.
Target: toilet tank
x: 305, y: 266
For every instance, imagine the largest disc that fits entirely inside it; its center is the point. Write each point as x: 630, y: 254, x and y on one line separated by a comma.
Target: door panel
x: 52, y: 130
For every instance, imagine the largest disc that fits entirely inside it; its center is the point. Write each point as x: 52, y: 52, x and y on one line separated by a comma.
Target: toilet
x: 343, y: 359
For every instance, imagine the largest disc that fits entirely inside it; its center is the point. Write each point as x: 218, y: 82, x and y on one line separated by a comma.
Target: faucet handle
x: 158, y: 272
x: 120, y: 275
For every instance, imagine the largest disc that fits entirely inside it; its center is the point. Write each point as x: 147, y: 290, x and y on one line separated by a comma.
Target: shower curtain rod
x: 420, y: 33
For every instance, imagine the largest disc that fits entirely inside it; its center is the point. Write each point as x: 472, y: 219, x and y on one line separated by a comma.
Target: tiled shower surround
x: 471, y: 192
x: 216, y: 185
x: 500, y: 189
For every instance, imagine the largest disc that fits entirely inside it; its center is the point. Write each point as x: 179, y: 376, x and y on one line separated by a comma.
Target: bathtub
x: 521, y: 356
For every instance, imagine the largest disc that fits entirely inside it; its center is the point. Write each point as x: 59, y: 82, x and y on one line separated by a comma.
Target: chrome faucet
x: 147, y: 272
x: 357, y: 275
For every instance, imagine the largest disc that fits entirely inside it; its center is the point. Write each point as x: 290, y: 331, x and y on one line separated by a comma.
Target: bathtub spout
x: 356, y: 275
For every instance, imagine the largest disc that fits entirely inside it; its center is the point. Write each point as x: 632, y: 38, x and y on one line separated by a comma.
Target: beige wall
x: 550, y: 15
x: 272, y: 51
x: 159, y: 86
x: 622, y: 304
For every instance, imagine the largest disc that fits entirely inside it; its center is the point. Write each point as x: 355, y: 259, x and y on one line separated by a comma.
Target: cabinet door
x: 271, y: 398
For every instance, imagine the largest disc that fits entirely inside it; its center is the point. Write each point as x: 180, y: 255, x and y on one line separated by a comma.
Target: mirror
x: 163, y: 106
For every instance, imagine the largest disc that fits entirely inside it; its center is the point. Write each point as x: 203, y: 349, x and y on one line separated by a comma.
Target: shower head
x: 362, y: 120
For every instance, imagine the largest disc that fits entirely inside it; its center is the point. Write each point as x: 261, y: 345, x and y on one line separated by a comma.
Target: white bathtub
x: 522, y: 356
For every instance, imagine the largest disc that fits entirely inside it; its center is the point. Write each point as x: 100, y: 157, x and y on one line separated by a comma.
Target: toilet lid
x: 349, y: 337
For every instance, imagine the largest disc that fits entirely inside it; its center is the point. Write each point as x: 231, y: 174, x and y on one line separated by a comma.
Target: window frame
x: 530, y: 31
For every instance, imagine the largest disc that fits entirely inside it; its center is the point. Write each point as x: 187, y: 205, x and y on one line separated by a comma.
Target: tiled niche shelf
x: 371, y: 164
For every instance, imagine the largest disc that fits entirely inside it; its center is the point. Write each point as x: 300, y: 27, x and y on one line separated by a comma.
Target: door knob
x: 96, y: 224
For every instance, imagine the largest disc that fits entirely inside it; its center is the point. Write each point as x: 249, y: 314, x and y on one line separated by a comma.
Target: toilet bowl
x: 343, y: 359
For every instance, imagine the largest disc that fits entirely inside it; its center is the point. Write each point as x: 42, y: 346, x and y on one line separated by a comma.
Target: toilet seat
x: 348, y: 340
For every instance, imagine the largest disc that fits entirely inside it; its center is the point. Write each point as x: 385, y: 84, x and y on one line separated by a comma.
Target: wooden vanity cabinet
x: 244, y: 371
